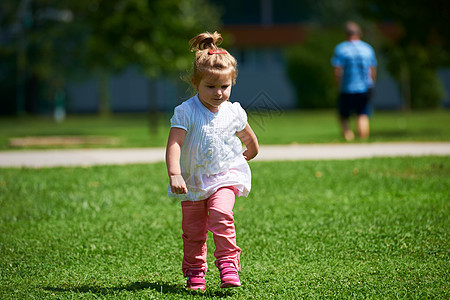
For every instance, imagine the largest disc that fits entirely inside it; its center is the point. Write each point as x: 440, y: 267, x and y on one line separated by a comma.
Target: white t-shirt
x: 211, y: 156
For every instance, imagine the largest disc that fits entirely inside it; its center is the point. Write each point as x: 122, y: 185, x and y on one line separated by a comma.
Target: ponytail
x: 210, y: 59
x: 206, y: 40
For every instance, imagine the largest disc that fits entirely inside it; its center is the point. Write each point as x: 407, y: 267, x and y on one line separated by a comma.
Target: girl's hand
x: 177, y: 184
x: 249, y: 139
x: 247, y: 155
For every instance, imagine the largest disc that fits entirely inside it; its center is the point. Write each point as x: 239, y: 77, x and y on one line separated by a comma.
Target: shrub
x: 309, y: 69
x: 414, y: 67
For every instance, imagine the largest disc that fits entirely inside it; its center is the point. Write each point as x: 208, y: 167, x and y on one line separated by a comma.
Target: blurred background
x: 60, y: 57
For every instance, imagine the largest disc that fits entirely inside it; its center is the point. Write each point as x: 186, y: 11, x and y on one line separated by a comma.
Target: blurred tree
x: 34, y: 43
x: 332, y: 13
x: 51, y: 41
x: 422, y: 46
x: 308, y: 67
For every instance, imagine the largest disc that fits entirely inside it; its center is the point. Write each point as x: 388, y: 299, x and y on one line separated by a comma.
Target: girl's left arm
x: 248, y: 137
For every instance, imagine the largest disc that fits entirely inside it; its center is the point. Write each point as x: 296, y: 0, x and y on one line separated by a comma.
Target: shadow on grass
x: 163, y: 288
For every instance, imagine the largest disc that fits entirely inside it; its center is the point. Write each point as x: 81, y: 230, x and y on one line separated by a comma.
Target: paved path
x: 57, y: 158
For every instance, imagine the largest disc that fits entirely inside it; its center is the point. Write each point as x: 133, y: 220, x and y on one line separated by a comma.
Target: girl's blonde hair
x: 210, y: 59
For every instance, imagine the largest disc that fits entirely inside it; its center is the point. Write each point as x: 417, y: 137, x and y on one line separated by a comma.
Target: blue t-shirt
x: 356, y: 58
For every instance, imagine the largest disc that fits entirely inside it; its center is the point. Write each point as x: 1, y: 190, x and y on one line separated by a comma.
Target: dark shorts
x: 354, y: 103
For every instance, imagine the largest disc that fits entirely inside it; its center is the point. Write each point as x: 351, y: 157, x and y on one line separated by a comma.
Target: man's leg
x: 344, y: 108
x: 348, y: 133
x: 363, y: 126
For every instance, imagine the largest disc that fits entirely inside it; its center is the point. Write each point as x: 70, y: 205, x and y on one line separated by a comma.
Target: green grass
x: 130, y: 130
x: 369, y: 228
x: 272, y: 128
x: 322, y: 127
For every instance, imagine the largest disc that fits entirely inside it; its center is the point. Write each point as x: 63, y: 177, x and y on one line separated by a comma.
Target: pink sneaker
x: 195, y: 279
x: 228, y: 274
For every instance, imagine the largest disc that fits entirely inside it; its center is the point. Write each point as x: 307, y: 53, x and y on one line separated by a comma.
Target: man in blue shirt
x: 355, y: 70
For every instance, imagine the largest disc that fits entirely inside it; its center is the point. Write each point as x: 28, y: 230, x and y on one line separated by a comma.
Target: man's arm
x: 338, y: 73
x: 373, y: 74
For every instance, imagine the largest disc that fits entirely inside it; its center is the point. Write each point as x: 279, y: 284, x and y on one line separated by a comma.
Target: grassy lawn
x: 295, y: 126
x: 369, y: 228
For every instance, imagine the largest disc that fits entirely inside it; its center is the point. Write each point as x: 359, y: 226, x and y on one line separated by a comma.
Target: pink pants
x: 216, y: 215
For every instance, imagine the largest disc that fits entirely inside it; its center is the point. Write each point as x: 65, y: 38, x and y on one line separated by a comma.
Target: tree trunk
x: 405, y: 86
x: 153, y: 105
x: 105, y: 96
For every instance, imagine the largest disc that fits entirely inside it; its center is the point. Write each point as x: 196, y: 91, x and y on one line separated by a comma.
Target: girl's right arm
x: 173, y: 152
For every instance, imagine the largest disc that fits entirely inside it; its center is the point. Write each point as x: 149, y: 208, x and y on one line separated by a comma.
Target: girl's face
x: 214, y: 90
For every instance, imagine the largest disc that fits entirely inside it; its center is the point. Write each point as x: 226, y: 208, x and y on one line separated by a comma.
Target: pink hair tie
x: 216, y: 51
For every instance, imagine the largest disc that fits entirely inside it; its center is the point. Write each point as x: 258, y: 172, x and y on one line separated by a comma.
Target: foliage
x: 331, y: 13
x: 420, y: 47
x: 150, y: 34
x: 308, y: 67
x: 417, y: 21
x: 412, y: 66
x: 370, y: 228
x: 53, y: 41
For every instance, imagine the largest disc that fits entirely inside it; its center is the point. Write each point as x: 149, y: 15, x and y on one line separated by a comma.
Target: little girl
x: 206, y: 165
